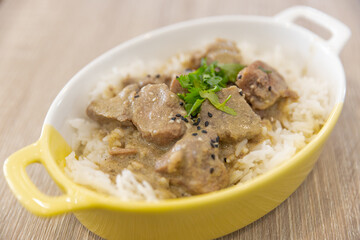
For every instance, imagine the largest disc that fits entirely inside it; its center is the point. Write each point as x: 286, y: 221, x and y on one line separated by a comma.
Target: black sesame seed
x: 198, y: 127
x: 204, y: 131
x: 177, y: 76
x: 209, y: 114
x: 181, y: 104
x: 241, y: 93
x: 157, y: 75
x: 194, y: 134
x: 269, y: 88
x: 216, y: 145
x: 240, y: 76
x: 206, y: 123
x: 197, y: 122
x: 212, y: 145
x: 217, y: 139
x: 224, y: 159
x: 184, y: 119
x: 136, y: 96
x: 213, y: 156
x: 178, y: 115
x: 213, y: 141
x: 173, y: 118
x: 211, y: 170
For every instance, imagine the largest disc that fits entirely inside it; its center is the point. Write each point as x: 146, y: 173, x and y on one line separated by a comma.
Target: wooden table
x: 44, y: 43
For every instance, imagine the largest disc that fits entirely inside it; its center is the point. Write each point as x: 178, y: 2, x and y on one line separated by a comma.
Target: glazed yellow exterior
x: 201, y: 217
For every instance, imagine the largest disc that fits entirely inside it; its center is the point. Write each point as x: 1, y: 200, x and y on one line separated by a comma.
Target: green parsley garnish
x: 203, y: 84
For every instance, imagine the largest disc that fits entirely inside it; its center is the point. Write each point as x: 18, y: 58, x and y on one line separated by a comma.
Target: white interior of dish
x: 160, y: 45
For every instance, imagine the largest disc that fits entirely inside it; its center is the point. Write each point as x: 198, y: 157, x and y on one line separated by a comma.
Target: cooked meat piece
x: 246, y: 124
x: 223, y: 51
x: 114, y: 109
x: 194, y: 164
x: 155, y: 79
x: 262, y: 85
x: 148, y: 79
x: 175, y: 86
x: 153, y: 111
x: 122, y: 151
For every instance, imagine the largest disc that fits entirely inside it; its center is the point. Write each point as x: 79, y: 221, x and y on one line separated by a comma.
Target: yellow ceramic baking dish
x: 200, y: 217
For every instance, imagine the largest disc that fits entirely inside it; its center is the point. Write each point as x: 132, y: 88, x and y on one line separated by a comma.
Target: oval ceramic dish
x: 200, y: 217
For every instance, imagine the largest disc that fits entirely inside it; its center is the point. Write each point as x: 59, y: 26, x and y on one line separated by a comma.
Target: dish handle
x: 340, y: 33
x: 26, y: 191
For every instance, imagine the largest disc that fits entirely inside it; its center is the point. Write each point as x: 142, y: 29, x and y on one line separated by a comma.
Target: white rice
x: 306, y: 116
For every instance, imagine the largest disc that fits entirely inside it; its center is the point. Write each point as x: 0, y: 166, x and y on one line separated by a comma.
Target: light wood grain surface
x: 44, y: 43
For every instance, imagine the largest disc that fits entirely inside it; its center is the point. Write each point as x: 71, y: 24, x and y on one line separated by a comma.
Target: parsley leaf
x: 213, y: 98
x: 195, y: 108
x: 203, y: 84
x: 231, y: 70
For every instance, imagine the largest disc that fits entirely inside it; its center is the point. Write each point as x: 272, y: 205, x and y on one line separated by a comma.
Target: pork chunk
x: 175, y: 86
x: 153, y: 110
x: 148, y: 79
x: 117, y: 108
x: 223, y: 51
x: 194, y: 164
x: 262, y: 85
x: 246, y: 124
x: 155, y: 79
